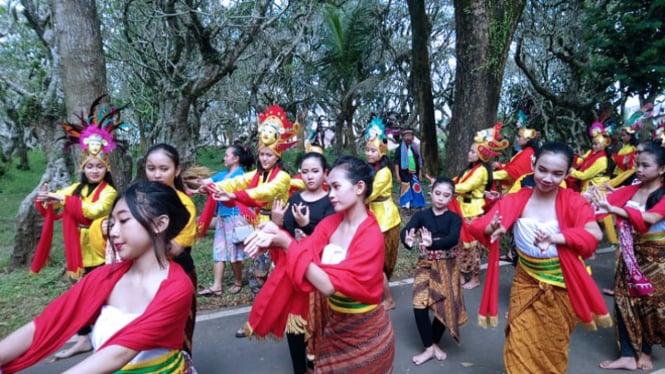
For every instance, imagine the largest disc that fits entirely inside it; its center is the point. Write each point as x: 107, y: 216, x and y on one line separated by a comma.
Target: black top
x: 318, y: 210
x: 445, y: 228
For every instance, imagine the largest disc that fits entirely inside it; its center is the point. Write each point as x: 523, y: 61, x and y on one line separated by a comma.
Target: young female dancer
x: 82, y: 203
x: 639, y: 287
x: 343, y: 259
x: 299, y: 217
x: 140, y: 304
x: 436, y: 284
x: 554, y: 228
x: 381, y: 202
x: 237, y: 159
x: 257, y: 190
x: 470, y: 187
x: 520, y: 163
x: 162, y: 164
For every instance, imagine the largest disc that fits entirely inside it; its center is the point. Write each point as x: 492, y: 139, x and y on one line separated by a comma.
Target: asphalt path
x: 217, y: 350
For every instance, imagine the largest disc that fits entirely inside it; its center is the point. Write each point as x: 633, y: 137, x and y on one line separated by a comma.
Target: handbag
x: 240, y: 233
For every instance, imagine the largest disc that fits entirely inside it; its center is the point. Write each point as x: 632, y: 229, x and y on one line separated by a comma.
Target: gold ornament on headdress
x: 95, y: 133
x: 488, y: 141
x: 600, y: 133
x: 528, y: 133
x: 376, y: 135
x: 275, y: 130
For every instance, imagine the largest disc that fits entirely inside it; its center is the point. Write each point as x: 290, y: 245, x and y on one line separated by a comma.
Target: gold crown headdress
x: 275, y: 130
x: 488, y: 141
x: 95, y: 133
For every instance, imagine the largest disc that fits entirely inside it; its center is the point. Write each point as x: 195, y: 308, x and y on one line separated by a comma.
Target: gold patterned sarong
x: 540, y: 322
x: 436, y: 286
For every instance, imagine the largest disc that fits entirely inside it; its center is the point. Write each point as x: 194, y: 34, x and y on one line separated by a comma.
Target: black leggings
x: 430, y: 332
x: 298, y: 351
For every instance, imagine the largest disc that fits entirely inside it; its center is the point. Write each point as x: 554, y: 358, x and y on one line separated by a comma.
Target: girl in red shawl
x: 554, y: 229
x: 639, y: 287
x: 342, y: 259
x: 139, y: 306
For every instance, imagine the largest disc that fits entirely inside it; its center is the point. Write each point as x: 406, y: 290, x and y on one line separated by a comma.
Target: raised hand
x: 425, y: 237
x: 301, y: 214
x: 278, y: 210
x: 494, y: 228
x: 410, y: 237
x: 543, y: 240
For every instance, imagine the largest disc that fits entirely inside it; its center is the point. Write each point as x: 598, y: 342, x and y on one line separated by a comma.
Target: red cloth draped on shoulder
x: 520, y: 164
x: 573, y: 212
x: 286, y: 291
x: 161, y: 325
x: 72, y: 218
x: 621, y: 196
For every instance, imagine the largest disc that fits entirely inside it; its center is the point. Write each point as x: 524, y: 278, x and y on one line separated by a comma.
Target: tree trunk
x: 421, y: 83
x: 484, y: 30
x: 81, y: 64
x: 175, y: 127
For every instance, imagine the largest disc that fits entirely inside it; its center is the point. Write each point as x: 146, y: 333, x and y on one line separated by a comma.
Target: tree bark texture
x: 484, y: 31
x: 421, y: 83
x: 81, y: 65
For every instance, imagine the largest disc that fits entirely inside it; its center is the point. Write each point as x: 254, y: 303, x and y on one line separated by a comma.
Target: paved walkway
x: 216, y: 349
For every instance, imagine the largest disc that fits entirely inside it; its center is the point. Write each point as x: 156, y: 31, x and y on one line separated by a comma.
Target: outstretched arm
x: 106, y: 360
x: 16, y: 343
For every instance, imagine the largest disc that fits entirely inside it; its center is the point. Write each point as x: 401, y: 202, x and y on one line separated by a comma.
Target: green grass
x: 23, y: 296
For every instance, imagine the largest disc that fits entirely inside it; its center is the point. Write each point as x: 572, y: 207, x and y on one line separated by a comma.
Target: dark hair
x: 244, y: 154
x: 658, y: 153
x: 533, y: 143
x: 633, y: 137
x: 443, y: 180
x: 149, y: 200
x: 318, y: 156
x: 85, y: 182
x: 356, y: 170
x: 173, y: 154
x: 610, y: 161
x: 556, y: 148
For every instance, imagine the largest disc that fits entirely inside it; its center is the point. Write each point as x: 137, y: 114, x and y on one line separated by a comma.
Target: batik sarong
x: 540, y: 322
x: 357, y: 343
x: 436, y: 286
x: 644, y: 316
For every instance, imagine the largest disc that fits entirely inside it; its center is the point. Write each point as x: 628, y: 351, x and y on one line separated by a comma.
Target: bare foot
x: 625, y: 363
x: 388, y: 304
x: 471, y: 284
x: 644, y: 362
x: 439, y: 354
x: 427, y: 355
x: 82, y: 345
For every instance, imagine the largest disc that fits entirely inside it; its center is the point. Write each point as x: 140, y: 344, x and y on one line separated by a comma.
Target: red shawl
x: 161, y: 325
x: 72, y: 217
x: 621, y: 196
x: 573, y: 212
x: 520, y: 164
x: 358, y: 277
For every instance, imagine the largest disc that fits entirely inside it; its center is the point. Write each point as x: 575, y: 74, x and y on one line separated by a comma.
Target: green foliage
x: 628, y: 42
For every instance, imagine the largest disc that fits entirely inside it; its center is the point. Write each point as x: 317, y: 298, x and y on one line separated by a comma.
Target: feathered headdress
x: 95, y: 132
x: 599, y: 132
x: 275, y: 130
x: 488, y: 141
x: 636, y: 120
x: 522, y: 130
x: 376, y: 134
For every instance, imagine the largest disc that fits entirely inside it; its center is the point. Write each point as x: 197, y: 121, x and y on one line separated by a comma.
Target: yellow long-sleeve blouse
x: 264, y: 193
x: 187, y: 235
x: 593, y: 174
x: 381, y: 202
x: 91, y: 255
x: 470, y: 190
